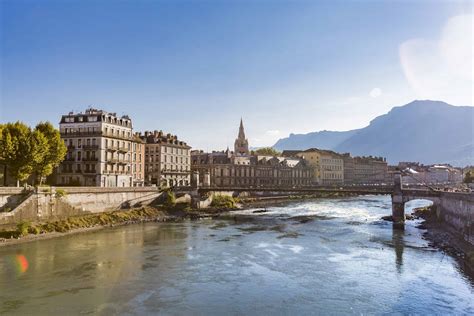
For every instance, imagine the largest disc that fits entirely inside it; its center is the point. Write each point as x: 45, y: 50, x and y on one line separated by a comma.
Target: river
x: 332, y: 256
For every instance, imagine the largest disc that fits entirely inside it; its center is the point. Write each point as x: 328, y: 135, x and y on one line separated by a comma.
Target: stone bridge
x: 299, y: 190
x: 400, y: 196
x: 454, y: 208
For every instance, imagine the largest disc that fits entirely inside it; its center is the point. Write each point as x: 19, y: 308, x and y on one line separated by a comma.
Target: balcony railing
x: 81, y: 134
x: 117, y: 172
x: 90, y: 147
x: 123, y: 149
x: 96, y: 134
x: 119, y: 136
x: 90, y: 159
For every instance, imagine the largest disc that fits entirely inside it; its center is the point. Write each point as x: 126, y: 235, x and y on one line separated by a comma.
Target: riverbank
x: 442, y: 236
x: 26, y: 231
x: 31, y: 231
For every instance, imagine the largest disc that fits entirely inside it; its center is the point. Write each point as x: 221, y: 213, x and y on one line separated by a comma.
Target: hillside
x: 424, y: 131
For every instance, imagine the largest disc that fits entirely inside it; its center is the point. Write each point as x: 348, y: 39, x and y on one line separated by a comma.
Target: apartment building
x: 138, y: 161
x: 167, y: 160
x: 227, y: 169
x: 365, y: 170
x: 99, y: 149
x: 327, y: 166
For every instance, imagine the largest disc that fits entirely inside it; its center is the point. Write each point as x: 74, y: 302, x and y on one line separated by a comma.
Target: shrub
x: 223, y: 201
x: 60, y: 193
x: 170, y: 198
x: 34, y: 230
x: 22, y: 228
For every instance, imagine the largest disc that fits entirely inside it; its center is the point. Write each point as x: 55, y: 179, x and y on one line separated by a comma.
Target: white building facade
x: 99, y: 149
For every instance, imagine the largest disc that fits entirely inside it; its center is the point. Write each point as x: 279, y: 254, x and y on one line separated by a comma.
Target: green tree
x: 469, y: 177
x: 53, y: 151
x: 26, y: 152
x: 15, y: 146
x: 267, y: 151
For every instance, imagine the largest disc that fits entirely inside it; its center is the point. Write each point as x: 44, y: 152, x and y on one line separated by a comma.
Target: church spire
x: 241, y: 130
x: 241, y: 145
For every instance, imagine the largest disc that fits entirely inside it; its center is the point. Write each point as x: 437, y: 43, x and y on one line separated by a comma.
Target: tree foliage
x: 469, y: 177
x: 54, y: 150
x: 267, y: 151
x: 26, y: 152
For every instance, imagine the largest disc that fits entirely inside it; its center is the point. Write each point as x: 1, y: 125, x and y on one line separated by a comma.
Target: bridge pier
x: 398, y: 205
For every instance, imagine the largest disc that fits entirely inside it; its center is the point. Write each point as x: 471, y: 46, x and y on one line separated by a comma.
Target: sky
x: 194, y: 68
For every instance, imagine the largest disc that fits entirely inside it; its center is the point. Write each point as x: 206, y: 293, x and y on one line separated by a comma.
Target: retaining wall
x: 46, y: 205
x: 457, y: 209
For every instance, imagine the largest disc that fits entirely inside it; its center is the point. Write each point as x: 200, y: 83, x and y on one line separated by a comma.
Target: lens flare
x: 21, y: 263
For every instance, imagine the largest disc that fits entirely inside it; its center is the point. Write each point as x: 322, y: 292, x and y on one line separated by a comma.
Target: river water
x: 331, y: 256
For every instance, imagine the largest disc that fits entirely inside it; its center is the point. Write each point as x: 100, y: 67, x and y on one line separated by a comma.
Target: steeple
x: 241, y: 145
x: 241, y: 130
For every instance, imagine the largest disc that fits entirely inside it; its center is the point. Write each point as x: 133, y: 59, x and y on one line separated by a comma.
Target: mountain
x: 323, y: 139
x: 425, y: 131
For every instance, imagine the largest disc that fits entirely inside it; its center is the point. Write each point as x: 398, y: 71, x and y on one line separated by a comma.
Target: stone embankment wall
x: 47, y: 205
x: 457, y: 209
x: 10, y: 196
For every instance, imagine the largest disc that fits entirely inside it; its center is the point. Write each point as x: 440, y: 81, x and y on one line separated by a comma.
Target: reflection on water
x: 329, y: 256
x: 398, y: 244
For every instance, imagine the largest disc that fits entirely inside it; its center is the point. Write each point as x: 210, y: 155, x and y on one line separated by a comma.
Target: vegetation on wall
x: 26, y: 151
x: 223, y: 201
x: 469, y: 177
x: 267, y: 151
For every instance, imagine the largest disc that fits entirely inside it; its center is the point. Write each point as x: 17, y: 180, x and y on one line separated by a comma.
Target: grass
x: 223, y: 201
x: 83, y: 221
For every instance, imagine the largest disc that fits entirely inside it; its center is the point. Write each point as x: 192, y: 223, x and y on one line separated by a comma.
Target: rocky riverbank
x: 444, y: 237
x: 26, y: 231
x: 29, y: 231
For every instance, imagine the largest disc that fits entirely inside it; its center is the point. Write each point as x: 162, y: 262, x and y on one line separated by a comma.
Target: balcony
x: 69, y: 159
x: 89, y: 171
x: 112, y: 148
x: 123, y: 149
x: 96, y: 134
x: 93, y: 159
x: 113, y: 172
x: 71, y: 147
x: 112, y: 160
x: 118, y: 136
x: 90, y: 147
x: 82, y: 134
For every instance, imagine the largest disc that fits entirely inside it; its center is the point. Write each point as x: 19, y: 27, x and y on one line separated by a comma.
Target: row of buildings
x: 103, y: 150
x: 416, y: 173
x: 293, y: 168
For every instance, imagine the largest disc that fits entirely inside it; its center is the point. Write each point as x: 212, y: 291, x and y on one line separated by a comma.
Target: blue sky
x: 193, y: 68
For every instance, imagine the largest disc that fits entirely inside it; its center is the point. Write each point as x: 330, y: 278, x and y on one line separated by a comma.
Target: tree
x: 469, y: 177
x: 54, y: 150
x: 15, y: 146
x: 267, y: 151
x: 26, y: 152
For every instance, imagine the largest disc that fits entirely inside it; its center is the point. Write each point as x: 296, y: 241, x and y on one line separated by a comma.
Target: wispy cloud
x: 375, y: 92
x: 442, y: 68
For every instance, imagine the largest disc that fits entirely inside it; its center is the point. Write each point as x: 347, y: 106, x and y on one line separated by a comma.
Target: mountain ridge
x: 422, y: 130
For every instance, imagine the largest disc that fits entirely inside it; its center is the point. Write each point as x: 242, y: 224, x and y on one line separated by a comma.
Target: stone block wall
x: 457, y: 209
x: 48, y: 206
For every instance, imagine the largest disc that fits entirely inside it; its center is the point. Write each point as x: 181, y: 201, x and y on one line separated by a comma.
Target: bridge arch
x: 401, y: 196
